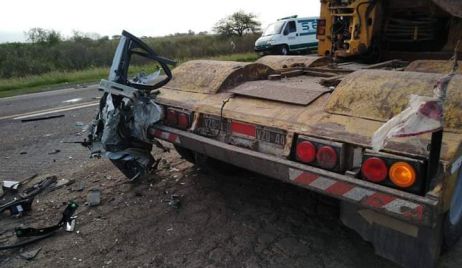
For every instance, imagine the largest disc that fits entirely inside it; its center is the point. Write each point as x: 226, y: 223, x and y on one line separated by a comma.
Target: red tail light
x: 177, y: 118
x: 243, y: 129
x: 171, y: 117
x: 183, y: 120
x: 305, y: 152
x: 327, y: 157
x: 374, y: 169
x: 321, y: 28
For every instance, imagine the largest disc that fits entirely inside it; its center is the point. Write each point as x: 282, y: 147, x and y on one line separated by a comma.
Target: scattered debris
x: 174, y: 201
x: 72, y: 100
x: 10, y: 185
x: 79, y: 124
x: 29, y: 255
x: 79, y: 187
x: 38, y: 234
x: 22, y: 202
x: 63, y: 182
x: 94, y: 197
x: 55, y: 151
x: 23, y: 152
x: 42, y: 118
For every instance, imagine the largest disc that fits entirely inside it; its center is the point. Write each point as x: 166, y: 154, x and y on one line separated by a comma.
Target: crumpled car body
x: 127, y: 109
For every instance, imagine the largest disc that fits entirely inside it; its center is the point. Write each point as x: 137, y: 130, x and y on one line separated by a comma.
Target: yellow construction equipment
x: 381, y: 29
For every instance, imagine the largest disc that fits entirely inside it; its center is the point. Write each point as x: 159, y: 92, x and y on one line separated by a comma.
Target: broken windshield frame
x: 129, y: 45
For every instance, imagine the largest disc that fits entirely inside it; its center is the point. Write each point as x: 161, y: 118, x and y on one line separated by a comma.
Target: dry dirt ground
x: 235, y: 220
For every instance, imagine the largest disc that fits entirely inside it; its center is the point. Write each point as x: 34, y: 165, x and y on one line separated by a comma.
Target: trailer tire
x: 452, y: 228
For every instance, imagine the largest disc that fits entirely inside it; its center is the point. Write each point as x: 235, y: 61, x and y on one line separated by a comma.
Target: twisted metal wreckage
x: 127, y: 109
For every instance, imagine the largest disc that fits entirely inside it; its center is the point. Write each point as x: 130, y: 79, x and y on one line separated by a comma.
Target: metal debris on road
x: 10, y: 185
x: 22, y: 202
x: 94, y: 197
x: 72, y: 100
x: 174, y: 201
x: 29, y: 255
x: 55, y: 151
x: 38, y: 234
x: 42, y: 118
x: 63, y: 182
x: 79, y: 187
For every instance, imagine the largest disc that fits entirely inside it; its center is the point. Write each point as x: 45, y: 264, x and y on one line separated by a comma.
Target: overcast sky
x: 141, y: 17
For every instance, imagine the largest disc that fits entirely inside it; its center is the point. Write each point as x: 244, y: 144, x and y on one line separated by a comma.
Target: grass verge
x: 54, y: 80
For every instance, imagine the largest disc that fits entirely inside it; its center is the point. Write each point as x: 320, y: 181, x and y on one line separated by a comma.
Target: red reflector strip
x: 173, y: 138
x: 357, y: 194
x: 378, y: 200
x: 339, y: 188
x: 243, y: 129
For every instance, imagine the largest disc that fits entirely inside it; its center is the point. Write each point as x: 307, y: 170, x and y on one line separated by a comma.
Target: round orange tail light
x: 402, y: 174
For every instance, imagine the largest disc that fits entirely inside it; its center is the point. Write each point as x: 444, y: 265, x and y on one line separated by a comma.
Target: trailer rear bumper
x: 401, y: 205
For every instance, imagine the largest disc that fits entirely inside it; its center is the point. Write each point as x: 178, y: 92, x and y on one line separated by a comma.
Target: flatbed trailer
x: 282, y: 117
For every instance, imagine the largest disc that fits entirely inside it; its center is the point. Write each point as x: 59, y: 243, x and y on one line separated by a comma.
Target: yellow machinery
x: 374, y: 29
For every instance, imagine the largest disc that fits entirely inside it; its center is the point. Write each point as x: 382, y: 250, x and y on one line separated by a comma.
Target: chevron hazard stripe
x: 173, y: 138
x: 357, y: 194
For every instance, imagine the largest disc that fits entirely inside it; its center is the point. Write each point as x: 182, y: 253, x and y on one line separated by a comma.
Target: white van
x: 290, y: 34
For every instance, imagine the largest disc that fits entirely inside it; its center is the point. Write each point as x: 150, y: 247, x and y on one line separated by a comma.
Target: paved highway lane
x: 18, y: 105
x: 37, y: 147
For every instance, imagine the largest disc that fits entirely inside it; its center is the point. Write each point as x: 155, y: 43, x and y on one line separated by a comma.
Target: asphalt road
x: 32, y: 147
x: 240, y: 220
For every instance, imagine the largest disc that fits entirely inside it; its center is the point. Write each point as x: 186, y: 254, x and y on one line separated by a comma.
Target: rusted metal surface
x: 300, y: 91
x: 380, y: 95
x: 453, y: 7
x: 389, y: 201
x: 311, y: 120
x: 432, y: 66
x: 207, y: 76
x: 283, y: 62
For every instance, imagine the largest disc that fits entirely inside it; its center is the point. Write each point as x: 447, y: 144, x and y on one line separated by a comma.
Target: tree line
x: 47, y: 50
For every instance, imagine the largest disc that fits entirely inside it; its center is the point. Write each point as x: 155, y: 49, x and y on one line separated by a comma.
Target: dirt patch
x: 221, y: 221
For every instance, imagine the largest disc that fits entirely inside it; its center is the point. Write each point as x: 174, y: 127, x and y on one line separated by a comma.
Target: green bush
x: 26, y: 59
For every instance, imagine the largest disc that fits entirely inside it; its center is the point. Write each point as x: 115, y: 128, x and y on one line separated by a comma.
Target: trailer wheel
x: 284, y: 50
x: 452, y: 229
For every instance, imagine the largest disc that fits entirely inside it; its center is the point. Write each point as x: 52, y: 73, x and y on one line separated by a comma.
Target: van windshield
x: 274, y: 28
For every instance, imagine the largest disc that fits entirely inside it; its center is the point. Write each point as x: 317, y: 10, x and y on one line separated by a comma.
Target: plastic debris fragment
x: 423, y: 115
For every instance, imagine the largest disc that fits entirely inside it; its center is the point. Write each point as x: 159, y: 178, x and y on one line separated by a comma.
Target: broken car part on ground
x: 31, y: 235
x: 127, y: 110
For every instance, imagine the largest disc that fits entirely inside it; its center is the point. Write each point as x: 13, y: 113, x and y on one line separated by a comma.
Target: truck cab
x: 288, y: 35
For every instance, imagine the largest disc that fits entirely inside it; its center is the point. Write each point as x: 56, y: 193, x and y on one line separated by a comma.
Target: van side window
x: 291, y: 27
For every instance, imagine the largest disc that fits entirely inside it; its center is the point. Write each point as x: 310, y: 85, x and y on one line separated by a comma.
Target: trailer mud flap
x: 402, y: 242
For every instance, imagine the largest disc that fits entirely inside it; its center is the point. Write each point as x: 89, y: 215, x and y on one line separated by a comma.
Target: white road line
x: 50, y: 111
